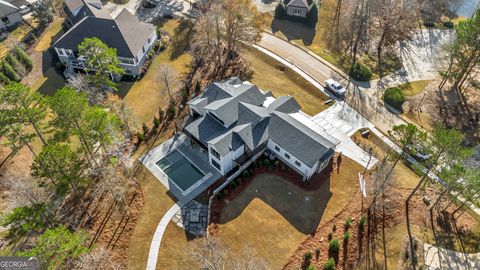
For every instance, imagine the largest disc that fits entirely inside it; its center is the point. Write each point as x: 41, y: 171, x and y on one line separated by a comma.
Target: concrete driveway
x: 342, y: 122
x: 440, y: 258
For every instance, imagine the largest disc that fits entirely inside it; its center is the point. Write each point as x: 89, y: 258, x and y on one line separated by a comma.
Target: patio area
x: 181, y: 167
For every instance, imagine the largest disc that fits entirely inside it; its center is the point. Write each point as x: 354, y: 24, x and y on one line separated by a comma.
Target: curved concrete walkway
x: 157, y: 237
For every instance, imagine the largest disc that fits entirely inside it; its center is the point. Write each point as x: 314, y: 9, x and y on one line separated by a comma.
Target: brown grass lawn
x: 156, y: 204
x: 403, y: 177
x: 49, y: 34
x: 271, y: 215
x: 271, y: 75
x: 145, y: 96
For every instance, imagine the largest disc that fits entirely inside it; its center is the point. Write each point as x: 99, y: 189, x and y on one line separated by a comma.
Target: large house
x: 298, y: 8
x: 235, y: 122
x: 131, y: 38
x: 9, y: 15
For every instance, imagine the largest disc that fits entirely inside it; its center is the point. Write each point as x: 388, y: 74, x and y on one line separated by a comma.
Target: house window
x: 296, y: 11
x: 287, y: 156
x: 216, y: 165
x: 143, y: 49
x: 61, y: 51
x: 298, y: 163
x: 5, y: 20
x: 149, y: 39
x: 277, y: 148
x: 215, y: 153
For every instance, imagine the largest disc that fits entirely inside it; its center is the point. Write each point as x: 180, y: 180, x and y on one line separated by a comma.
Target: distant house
x: 298, y: 8
x: 131, y: 38
x: 9, y: 15
x: 236, y: 122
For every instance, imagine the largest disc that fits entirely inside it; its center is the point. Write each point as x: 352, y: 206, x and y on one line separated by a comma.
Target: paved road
x: 360, y: 97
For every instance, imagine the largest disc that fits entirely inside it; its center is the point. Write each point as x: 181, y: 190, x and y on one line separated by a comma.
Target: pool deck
x: 195, y: 154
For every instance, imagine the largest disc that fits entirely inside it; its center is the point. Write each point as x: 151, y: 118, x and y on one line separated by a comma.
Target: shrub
x: 171, y: 110
x: 24, y: 58
x: 4, y: 80
x: 329, y: 265
x: 429, y: 24
x: 360, y: 72
x: 198, y: 87
x: 140, y: 137
x: 11, y: 60
x: 393, y: 96
x: 246, y: 174
x: 348, y: 223
x: 449, y: 24
x: 225, y: 192
x: 156, y: 122
x: 307, y: 256
x: 185, y: 95
x: 330, y: 236
x: 233, y: 185
x: 280, y: 11
x: 218, y: 197
x: 346, y: 236
x: 9, y: 71
x: 334, y: 246
x: 363, y: 221
x: 317, y: 252
x: 311, y: 267
x: 334, y: 227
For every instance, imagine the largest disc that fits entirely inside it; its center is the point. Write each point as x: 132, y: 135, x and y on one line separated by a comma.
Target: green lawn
x: 413, y: 88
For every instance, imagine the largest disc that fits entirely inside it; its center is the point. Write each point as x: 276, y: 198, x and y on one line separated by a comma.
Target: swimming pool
x: 180, y: 170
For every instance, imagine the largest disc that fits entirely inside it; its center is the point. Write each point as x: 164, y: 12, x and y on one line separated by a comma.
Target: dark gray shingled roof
x: 7, y: 8
x: 285, y: 104
x: 298, y: 3
x: 124, y: 33
x: 227, y: 109
x: 252, y: 124
x: 299, y: 140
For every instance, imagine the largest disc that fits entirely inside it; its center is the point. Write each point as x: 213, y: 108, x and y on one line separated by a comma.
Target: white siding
x: 304, y: 169
x: 226, y: 161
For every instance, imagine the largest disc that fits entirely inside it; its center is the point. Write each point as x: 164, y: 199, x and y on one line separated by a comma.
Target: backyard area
x: 272, y: 214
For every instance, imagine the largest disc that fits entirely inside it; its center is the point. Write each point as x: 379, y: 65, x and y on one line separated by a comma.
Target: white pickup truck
x: 335, y: 87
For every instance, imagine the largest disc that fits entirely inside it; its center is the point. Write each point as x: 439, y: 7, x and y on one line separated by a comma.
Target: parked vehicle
x: 335, y: 87
x: 24, y: 9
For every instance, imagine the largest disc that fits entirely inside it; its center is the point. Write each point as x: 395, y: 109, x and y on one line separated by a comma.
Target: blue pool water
x: 180, y: 170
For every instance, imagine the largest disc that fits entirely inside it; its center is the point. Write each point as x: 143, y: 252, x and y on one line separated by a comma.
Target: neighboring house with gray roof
x: 298, y: 8
x: 235, y: 122
x: 9, y: 15
x: 131, y: 38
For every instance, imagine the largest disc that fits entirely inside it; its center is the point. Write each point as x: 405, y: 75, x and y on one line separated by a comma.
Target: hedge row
x: 16, y: 65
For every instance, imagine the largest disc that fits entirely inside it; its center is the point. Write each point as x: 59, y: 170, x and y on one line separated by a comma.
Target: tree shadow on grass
x: 181, y: 39
x: 294, y: 30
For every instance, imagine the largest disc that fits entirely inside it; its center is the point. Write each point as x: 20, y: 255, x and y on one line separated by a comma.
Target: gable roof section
x: 299, y: 140
x: 134, y: 32
x: 73, y: 4
x: 7, y: 8
x: 285, y: 104
x: 115, y: 33
x: 227, y: 109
